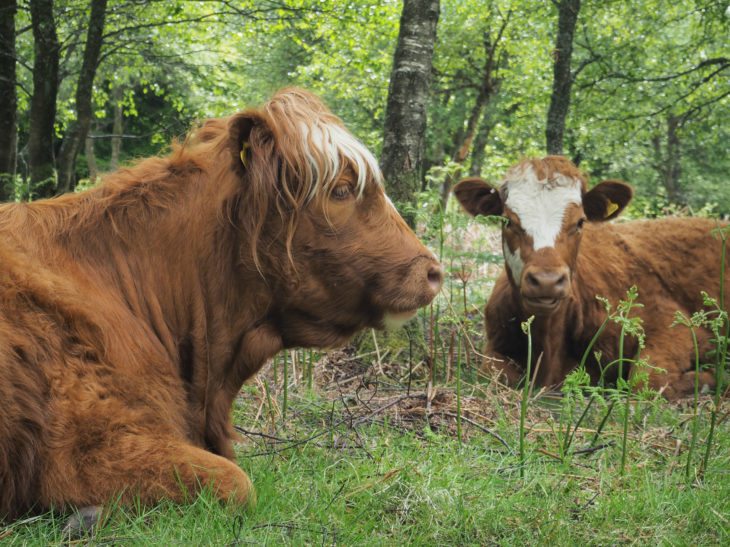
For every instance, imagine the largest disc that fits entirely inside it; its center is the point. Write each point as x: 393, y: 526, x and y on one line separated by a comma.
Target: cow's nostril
x: 561, y: 282
x: 435, y: 277
x: 532, y: 280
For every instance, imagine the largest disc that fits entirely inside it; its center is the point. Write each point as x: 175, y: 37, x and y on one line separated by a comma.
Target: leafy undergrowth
x: 368, y: 457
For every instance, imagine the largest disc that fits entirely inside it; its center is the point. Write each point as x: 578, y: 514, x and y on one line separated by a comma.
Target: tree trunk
x: 8, y: 100
x: 488, y: 88
x: 405, y: 113
x: 480, y: 141
x: 668, y: 160
x: 673, y: 161
x: 117, y: 128
x: 462, y: 149
x: 91, y: 159
x: 43, y: 102
x: 78, y: 130
x: 562, y: 75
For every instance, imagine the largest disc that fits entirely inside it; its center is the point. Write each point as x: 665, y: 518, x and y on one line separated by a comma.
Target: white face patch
x: 514, y: 261
x: 540, y: 204
x: 325, y: 145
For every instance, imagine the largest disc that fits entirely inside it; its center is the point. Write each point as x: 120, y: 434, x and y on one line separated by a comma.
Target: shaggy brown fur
x: 131, y: 314
x: 670, y: 261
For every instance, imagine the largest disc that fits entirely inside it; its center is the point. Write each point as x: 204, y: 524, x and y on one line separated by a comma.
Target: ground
x: 362, y: 458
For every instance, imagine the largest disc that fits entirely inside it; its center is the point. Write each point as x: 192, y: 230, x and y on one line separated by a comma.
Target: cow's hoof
x: 82, y: 523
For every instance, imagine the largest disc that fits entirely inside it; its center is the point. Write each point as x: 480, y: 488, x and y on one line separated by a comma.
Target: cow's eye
x: 580, y: 224
x: 341, y: 192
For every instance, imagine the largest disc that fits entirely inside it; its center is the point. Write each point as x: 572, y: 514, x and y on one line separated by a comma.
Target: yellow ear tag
x: 244, y: 150
x: 611, y: 208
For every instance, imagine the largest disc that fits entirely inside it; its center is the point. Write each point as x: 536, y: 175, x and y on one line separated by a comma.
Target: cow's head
x: 544, y: 204
x: 320, y: 229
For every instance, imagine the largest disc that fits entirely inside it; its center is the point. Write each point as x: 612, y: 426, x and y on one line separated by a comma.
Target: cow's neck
x: 227, y: 323
x: 551, y: 358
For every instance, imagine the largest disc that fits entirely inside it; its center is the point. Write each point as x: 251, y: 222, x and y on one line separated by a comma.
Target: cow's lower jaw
x: 395, y: 320
x: 540, y: 305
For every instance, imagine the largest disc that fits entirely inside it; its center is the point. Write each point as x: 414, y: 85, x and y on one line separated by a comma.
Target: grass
x: 368, y: 476
x: 401, y: 443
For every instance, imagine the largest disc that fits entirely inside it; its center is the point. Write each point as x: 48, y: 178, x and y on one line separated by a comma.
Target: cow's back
x: 673, y: 258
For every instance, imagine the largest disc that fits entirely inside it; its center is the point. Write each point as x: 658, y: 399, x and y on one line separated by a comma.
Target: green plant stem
x: 310, y: 370
x: 593, y: 341
x: 569, y: 438
x: 285, y: 402
x: 625, y: 435
x: 525, y: 395
x: 695, y: 418
x: 458, y: 391
x: 603, y: 423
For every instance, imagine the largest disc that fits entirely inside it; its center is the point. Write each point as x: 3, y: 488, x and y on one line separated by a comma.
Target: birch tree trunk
x: 562, y: 75
x: 405, y: 114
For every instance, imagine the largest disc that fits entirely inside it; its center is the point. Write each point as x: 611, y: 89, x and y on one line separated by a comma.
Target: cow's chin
x: 307, y: 330
x: 541, y: 306
x: 395, y: 320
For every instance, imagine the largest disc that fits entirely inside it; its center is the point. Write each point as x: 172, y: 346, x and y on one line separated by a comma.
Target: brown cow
x: 556, y: 265
x: 131, y: 314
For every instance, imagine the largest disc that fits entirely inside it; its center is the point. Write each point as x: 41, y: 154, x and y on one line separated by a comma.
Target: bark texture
x: 8, y: 99
x: 668, y: 159
x: 76, y: 134
x: 405, y: 115
x: 117, y: 128
x: 91, y: 159
x: 43, y: 101
x: 562, y: 76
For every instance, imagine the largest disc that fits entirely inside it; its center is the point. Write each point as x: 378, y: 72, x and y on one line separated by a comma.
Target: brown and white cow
x: 131, y: 314
x: 560, y: 254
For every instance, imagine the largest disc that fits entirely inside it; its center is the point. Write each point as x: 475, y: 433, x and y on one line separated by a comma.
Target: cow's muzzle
x: 543, y: 290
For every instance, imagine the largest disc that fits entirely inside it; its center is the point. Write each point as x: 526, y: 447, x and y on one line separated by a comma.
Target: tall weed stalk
x: 693, y: 323
x: 632, y: 326
x: 527, y: 329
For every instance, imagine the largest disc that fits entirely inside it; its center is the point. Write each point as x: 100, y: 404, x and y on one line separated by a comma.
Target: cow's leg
x: 683, y: 384
x: 151, y: 469
x: 503, y: 367
x: 671, y: 351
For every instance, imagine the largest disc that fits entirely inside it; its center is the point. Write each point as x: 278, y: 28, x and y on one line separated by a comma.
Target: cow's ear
x: 606, y: 200
x: 478, y: 197
x: 250, y: 137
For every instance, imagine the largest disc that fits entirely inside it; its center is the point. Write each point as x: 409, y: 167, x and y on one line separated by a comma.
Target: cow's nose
x: 435, y: 277
x: 547, y: 283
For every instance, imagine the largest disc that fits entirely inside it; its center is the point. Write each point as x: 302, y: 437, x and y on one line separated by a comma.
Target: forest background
x: 630, y: 89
